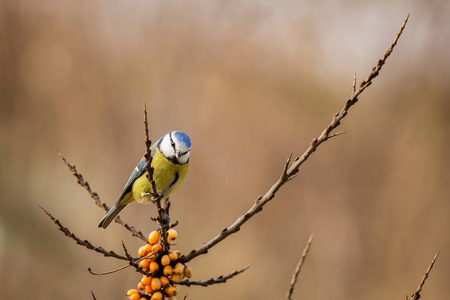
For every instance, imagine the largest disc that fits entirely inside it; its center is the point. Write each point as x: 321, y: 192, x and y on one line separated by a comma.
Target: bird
x: 170, y: 162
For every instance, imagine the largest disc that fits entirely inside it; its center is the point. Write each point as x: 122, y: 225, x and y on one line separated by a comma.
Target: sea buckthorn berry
x: 168, y: 270
x: 165, y: 260
x: 143, y: 298
x: 157, y: 296
x: 153, y: 267
x: 172, y: 234
x: 172, y: 298
x: 171, y: 291
x: 132, y: 292
x: 173, y: 255
x: 135, y: 297
x: 148, y: 249
x: 146, y: 280
x: 176, y: 278
x: 142, y: 251
x: 156, y: 284
x: 164, y: 280
x: 144, y: 263
x: 156, y: 248
x: 188, y: 272
x: 148, y: 289
x: 153, y: 237
x: 141, y: 286
x: 178, y: 254
x: 179, y: 268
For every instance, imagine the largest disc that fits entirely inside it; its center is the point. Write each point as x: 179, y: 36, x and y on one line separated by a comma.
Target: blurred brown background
x: 251, y: 82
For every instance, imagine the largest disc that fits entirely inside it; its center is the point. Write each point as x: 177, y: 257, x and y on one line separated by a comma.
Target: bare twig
x: 298, y: 268
x: 163, y: 218
x: 416, y: 295
x: 79, y: 241
x: 93, y: 296
x: 150, y: 255
x: 211, y: 281
x: 97, y: 201
x: 290, y: 172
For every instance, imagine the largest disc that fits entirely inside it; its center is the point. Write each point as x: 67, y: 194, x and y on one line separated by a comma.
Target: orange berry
x: 143, y: 298
x: 178, y: 254
x: 146, y: 280
x: 135, y: 297
x: 132, y: 292
x: 172, y: 234
x: 142, y: 252
x: 188, y: 272
x: 144, y: 263
x: 165, y: 260
x: 173, y: 255
x: 168, y: 270
x: 156, y: 284
x: 141, y: 286
x: 157, y: 296
x: 156, y: 248
x: 179, y: 268
x: 148, y: 289
x: 153, y: 237
x: 176, y: 278
x: 148, y: 248
x: 171, y: 291
x: 164, y: 280
x: 153, y: 267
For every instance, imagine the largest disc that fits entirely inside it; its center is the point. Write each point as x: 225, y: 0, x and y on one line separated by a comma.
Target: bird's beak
x: 177, y: 154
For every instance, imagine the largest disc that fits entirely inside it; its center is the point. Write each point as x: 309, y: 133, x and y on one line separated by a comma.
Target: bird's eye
x: 171, y: 141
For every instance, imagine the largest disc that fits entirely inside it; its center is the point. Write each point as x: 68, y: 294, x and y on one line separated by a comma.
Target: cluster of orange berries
x: 165, y: 270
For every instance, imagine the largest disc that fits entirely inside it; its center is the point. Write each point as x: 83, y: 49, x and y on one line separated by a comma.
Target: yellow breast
x: 167, y: 175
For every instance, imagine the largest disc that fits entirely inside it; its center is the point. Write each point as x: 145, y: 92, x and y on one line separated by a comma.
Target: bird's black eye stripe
x: 181, y: 154
x: 171, y: 141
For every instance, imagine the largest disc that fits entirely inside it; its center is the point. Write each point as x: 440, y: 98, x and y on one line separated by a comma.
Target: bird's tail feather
x: 111, y: 215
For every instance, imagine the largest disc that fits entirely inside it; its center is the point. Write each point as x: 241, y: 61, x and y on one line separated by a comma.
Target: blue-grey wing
x: 137, y: 172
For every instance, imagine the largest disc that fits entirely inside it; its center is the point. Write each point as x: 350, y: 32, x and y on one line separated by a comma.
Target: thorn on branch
x: 284, y: 174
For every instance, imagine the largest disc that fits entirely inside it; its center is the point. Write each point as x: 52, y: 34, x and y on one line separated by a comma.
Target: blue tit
x: 170, y: 163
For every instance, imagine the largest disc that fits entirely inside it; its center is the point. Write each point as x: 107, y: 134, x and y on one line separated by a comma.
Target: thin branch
x: 163, y: 218
x: 93, y: 296
x: 134, y: 263
x: 416, y: 295
x: 97, y: 201
x: 285, y: 177
x: 79, y: 241
x: 298, y: 268
x: 154, y: 253
x: 211, y: 281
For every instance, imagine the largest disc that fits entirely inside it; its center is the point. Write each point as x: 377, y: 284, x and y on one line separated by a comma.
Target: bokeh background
x: 251, y: 82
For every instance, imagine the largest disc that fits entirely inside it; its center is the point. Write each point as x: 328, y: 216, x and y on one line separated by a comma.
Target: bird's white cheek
x: 183, y: 158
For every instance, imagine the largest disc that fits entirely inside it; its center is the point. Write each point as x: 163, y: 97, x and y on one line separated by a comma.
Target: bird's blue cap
x: 183, y: 138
